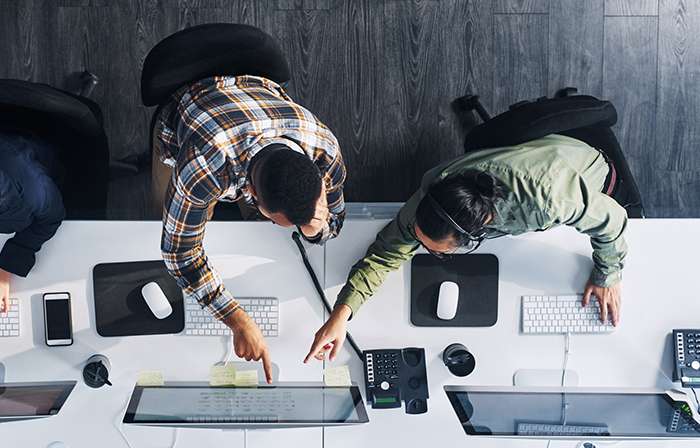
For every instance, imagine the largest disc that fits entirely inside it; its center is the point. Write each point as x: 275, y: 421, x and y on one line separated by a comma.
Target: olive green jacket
x: 548, y: 182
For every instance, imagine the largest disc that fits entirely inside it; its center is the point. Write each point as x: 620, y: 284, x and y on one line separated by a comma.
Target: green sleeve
x: 599, y: 216
x: 394, y: 245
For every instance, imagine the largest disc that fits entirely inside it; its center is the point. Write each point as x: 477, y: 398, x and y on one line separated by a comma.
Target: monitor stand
x: 2, y: 373
x: 544, y: 378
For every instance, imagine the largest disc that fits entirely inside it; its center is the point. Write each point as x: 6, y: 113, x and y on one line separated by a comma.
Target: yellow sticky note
x: 222, y: 375
x: 150, y: 378
x: 337, y: 376
x: 247, y: 378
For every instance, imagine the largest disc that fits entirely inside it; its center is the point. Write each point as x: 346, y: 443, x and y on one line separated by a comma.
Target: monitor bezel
x: 675, y: 395
x: 67, y: 386
x: 354, y: 390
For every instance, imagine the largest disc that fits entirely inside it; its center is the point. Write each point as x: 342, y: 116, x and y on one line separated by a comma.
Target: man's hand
x: 248, y: 341
x: 318, y: 222
x: 331, y: 335
x: 608, y: 298
x: 4, y: 291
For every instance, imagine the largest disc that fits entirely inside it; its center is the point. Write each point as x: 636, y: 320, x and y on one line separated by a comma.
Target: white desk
x: 265, y: 263
x: 660, y: 293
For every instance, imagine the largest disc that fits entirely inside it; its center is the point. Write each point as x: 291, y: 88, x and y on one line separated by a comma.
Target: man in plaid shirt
x: 242, y: 139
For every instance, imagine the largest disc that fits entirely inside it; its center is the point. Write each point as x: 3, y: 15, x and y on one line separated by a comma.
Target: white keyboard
x: 263, y: 310
x: 561, y: 314
x: 540, y: 429
x: 9, y: 321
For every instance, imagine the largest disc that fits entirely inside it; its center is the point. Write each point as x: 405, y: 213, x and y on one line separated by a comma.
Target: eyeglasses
x: 470, y: 247
x: 473, y: 239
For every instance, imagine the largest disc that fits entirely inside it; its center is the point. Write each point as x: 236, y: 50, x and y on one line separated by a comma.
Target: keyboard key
x: 9, y: 320
x: 263, y: 310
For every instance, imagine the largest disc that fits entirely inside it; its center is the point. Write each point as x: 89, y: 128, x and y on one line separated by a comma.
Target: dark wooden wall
x: 382, y: 74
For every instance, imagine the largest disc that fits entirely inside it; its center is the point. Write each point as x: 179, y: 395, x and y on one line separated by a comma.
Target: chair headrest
x: 208, y: 50
x: 530, y: 120
x: 48, y: 103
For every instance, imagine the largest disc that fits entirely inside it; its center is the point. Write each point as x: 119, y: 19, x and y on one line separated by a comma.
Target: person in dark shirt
x: 31, y: 206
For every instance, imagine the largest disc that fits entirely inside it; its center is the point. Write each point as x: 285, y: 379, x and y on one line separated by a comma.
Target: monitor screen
x: 33, y: 399
x: 265, y: 405
x: 552, y: 414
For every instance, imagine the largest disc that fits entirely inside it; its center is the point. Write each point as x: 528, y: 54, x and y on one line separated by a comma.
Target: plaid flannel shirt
x: 209, y: 133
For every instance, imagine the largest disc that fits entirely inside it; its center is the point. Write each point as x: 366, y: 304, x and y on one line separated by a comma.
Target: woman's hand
x: 608, y: 299
x: 331, y: 335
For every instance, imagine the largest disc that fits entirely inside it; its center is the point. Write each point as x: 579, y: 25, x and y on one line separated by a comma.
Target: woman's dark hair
x: 289, y: 183
x: 468, y: 198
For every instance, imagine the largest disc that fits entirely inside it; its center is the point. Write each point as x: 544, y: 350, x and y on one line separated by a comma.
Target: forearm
x: 608, y: 262
x: 386, y: 254
x: 605, y: 222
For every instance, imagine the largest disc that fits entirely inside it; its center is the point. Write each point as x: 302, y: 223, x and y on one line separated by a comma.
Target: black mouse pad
x: 120, y: 309
x: 477, y: 277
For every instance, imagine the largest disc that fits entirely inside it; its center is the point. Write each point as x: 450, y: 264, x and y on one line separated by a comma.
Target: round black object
x: 458, y: 359
x: 96, y: 372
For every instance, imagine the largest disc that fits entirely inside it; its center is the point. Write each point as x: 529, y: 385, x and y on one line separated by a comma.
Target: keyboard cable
x: 120, y: 426
x: 564, y: 405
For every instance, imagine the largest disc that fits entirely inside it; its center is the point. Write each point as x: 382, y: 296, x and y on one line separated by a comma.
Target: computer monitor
x: 22, y: 401
x: 574, y: 412
x: 277, y: 406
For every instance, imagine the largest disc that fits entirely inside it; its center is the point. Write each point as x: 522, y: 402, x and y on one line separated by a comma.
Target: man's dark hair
x: 289, y: 183
x: 468, y: 198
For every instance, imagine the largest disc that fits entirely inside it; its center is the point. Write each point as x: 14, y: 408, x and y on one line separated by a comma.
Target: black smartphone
x: 57, y: 319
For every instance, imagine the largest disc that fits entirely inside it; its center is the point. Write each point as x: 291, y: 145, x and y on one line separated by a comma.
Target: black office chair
x: 208, y: 50
x: 583, y: 117
x: 72, y: 124
x: 198, y: 52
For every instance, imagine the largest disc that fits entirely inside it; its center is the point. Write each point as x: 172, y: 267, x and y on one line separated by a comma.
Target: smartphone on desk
x: 58, y: 328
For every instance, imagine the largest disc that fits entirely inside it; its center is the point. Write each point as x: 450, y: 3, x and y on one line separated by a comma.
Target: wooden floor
x: 382, y: 74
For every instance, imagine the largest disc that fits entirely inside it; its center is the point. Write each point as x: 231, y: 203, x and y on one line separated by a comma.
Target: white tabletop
x: 659, y: 294
x: 260, y: 259
x: 266, y: 265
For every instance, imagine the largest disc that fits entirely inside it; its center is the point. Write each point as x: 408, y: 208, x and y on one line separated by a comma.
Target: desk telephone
x: 395, y: 375
x: 687, y: 357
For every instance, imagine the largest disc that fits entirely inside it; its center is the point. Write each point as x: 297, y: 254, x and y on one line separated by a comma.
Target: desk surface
x: 265, y: 265
x: 659, y: 294
x: 260, y: 259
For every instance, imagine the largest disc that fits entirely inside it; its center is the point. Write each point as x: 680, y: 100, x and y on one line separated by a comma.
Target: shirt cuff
x: 603, y: 280
x: 222, y: 306
x: 351, y: 298
x: 16, y: 259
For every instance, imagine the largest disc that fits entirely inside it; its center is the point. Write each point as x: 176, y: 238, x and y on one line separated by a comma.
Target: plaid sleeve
x: 335, y: 180
x: 165, y: 135
x: 193, y: 189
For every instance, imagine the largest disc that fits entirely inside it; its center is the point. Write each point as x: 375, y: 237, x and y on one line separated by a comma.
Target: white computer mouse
x: 448, y: 299
x: 156, y: 300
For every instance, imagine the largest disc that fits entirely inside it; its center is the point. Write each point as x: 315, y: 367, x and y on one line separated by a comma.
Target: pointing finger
x: 315, y: 348
x: 267, y: 366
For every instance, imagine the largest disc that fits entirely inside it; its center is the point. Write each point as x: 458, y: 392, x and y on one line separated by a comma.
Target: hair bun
x: 485, y: 184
